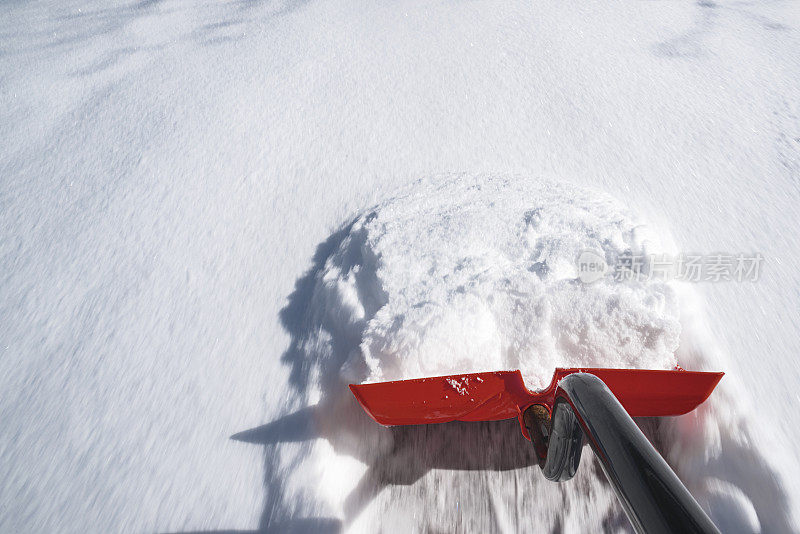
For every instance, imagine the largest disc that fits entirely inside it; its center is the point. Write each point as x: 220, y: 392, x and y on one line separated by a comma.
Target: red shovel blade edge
x: 502, y: 395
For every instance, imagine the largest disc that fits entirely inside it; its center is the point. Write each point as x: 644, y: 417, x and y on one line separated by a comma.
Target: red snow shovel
x: 502, y: 395
x: 580, y: 405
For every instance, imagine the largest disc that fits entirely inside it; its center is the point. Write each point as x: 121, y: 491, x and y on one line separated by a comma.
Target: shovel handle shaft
x: 652, y: 495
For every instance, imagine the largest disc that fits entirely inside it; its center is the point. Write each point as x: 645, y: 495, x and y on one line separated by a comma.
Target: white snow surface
x: 215, y: 215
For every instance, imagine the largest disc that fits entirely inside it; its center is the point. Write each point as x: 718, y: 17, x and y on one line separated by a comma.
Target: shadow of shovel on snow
x: 415, y: 450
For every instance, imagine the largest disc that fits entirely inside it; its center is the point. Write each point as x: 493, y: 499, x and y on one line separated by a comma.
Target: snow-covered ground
x: 177, y: 183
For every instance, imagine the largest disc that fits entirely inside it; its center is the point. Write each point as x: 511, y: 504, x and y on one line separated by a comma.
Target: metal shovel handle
x: 652, y: 495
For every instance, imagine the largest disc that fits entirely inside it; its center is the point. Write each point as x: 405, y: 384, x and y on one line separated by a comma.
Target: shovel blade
x: 499, y: 395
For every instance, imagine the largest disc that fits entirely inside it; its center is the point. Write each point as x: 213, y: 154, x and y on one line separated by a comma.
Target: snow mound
x: 478, y: 273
